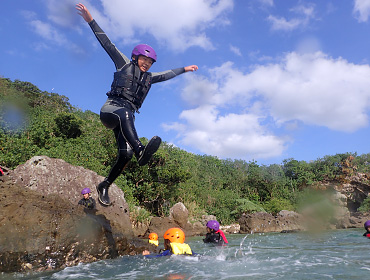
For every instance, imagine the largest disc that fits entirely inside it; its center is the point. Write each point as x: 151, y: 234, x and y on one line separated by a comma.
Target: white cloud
x: 228, y: 135
x: 309, y: 44
x: 63, y: 13
x: 176, y: 24
x: 284, y: 24
x: 316, y: 90
x: 46, y: 31
x: 237, y: 113
x: 52, y: 36
x: 235, y: 50
x: 362, y: 10
x: 179, y: 24
x: 305, y: 13
x: 267, y: 2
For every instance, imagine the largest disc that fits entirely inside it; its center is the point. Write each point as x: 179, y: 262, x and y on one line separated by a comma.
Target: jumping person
x: 130, y: 86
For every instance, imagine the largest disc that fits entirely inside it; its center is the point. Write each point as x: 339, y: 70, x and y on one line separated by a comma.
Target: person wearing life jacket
x: 153, y: 238
x: 367, y: 228
x: 87, y: 200
x: 174, y: 244
x: 214, y: 234
x: 130, y: 86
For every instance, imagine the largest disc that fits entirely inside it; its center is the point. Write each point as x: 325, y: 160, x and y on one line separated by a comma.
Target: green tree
x: 67, y: 125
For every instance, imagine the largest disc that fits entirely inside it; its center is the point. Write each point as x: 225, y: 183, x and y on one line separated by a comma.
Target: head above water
x: 213, y: 224
x: 144, y: 50
x: 153, y: 236
x: 174, y: 235
x: 367, y: 224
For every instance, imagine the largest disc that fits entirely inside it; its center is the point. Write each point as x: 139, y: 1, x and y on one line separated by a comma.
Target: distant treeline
x: 35, y: 122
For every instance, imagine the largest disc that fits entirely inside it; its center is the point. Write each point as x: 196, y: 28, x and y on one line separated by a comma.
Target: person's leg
x: 124, y: 155
x: 121, y: 120
x: 127, y: 129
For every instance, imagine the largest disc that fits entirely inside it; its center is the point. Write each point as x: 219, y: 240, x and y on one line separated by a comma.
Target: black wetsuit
x: 118, y: 112
x: 88, y: 203
x: 214, y: 238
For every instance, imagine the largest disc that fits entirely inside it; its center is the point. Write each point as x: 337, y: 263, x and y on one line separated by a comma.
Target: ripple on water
x: 333, y: 255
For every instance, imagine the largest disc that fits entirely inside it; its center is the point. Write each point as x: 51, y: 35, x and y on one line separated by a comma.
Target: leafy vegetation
x: 35, y: 122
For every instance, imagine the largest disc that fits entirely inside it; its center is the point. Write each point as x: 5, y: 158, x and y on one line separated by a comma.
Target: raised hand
x: 84, y: 12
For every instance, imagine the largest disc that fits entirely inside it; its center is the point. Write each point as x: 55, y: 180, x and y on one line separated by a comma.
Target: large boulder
x: 262, y: 222
x: 55, y: 176
x: 160, y: 225
x: 179, y: 214
x: 43, y: 227
x: 41, y: 232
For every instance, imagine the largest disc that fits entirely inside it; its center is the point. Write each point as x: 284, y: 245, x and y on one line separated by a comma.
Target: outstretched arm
x: 191, y: 68
x: 84, y: 12
x: 118, y: 58
x: 169, y: 74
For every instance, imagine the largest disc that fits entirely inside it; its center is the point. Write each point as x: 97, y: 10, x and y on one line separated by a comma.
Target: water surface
x: 339, y: 254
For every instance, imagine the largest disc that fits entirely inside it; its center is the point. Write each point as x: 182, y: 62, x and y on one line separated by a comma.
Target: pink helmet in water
x: 367, y: 224
x: 144, y: 50
x: 213, y: 224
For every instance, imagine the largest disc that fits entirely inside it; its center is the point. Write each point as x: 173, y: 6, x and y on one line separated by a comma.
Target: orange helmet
x: 175, y: 235
x: 153, y: 236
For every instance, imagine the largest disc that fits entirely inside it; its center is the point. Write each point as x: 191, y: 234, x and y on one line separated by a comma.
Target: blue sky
x: 277, y: 79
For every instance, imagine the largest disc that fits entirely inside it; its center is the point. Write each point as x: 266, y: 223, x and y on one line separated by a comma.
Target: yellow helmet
x: 175, y: 235
x: 153, y: 236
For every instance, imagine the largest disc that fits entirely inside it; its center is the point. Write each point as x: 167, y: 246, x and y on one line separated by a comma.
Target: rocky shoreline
x: 43, y: 228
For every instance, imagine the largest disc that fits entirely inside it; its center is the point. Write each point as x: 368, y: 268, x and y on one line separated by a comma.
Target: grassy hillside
x: 35, y: 122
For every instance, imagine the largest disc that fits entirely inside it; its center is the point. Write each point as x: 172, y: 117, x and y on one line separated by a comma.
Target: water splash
x: 239, y: 252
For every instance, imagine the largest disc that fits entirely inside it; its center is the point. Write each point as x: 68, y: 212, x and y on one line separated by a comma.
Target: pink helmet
x: 367, y: 224
x: 213, y: 224
x: 144, y: 50
x: 85, y: 191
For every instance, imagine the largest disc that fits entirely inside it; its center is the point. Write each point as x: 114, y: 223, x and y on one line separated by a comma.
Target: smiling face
x: 144, y: 63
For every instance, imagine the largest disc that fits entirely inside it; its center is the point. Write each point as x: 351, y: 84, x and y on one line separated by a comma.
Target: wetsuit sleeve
x: 164, y: 253
x: 118, y: 58
x: 212, y: 238
x: 81, y: 202
x: 166, y: 75
x: 207, y: 239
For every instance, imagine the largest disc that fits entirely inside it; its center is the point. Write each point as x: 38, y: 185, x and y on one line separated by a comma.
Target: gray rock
x: 179, y: 214
x: 266, y: 222
x: 42, y: 227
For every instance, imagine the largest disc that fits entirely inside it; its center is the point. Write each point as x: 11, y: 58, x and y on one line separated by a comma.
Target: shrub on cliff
x: 47, y: 124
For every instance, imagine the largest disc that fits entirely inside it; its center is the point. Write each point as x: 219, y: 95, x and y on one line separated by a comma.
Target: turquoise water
x: 339, y: 254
